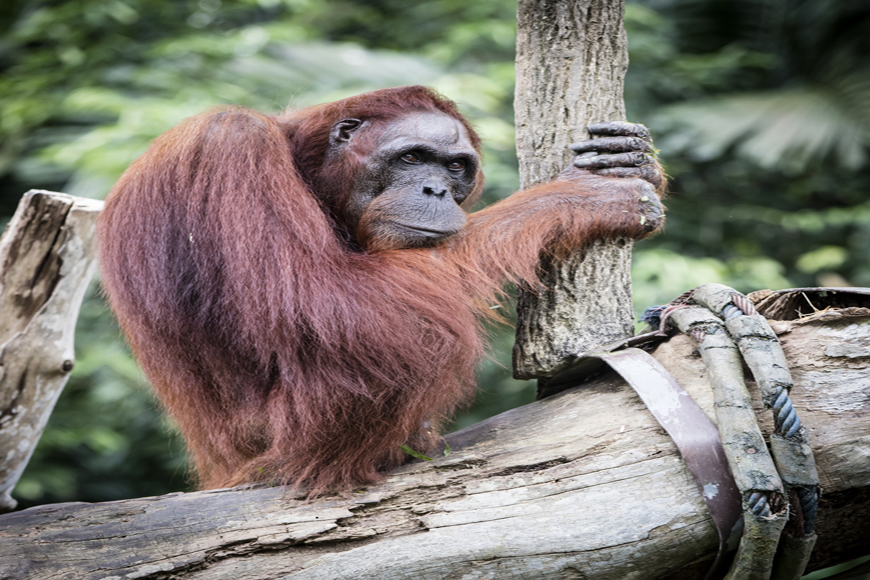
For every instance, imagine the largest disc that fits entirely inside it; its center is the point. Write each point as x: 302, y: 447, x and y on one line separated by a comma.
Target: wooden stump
x: 47, y: 259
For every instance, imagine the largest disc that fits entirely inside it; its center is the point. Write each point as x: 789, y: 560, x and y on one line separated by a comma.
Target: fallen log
x: 583, y: 484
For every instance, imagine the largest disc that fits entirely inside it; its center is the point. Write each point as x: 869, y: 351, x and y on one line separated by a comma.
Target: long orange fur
x: 284, y: 353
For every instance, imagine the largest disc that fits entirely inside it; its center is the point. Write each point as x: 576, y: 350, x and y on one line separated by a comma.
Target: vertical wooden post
x: 571, y: 62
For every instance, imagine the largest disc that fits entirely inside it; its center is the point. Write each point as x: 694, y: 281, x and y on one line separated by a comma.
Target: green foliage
x: 659, y: 275
x: 840, y: 569
x: 761, y: 111
x: 413, y: 453
x: 762, y: 114
x: 786, y: 129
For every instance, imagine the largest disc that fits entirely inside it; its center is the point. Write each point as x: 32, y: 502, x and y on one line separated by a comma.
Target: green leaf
x: 413, y: 453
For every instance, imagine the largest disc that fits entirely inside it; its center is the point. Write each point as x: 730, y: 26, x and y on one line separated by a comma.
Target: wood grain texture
x: 571, y: 62
x: 584, y: 484
x: 48, y: 259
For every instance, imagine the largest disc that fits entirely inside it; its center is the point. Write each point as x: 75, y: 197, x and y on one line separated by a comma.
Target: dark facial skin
x: 418, y: 169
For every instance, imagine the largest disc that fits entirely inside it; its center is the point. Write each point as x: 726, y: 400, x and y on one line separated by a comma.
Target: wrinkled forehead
x: 427, y: 128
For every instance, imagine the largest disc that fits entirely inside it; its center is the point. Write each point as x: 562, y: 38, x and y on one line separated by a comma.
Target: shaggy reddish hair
x: 283, y: 353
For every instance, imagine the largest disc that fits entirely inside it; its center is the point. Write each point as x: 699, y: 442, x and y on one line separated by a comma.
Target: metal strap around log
x: 694, y: 435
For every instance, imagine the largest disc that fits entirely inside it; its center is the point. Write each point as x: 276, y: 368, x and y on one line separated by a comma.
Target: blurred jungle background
x: 761, y: 110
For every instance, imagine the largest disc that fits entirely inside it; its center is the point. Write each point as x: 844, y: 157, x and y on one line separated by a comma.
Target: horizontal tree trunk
x: 583, y: 484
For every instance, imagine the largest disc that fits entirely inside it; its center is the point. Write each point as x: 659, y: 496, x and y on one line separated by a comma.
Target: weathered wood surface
x: 47, y: 259
x: 570, y: 65
x: 581, y: 485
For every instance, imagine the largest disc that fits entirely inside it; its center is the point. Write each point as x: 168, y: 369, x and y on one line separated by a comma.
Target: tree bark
x: 571, y: 61
x: 47, y: 260
x: 583, y: 484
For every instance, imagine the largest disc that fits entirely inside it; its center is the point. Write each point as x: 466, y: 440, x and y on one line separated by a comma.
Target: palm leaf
x: 787, y: 129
